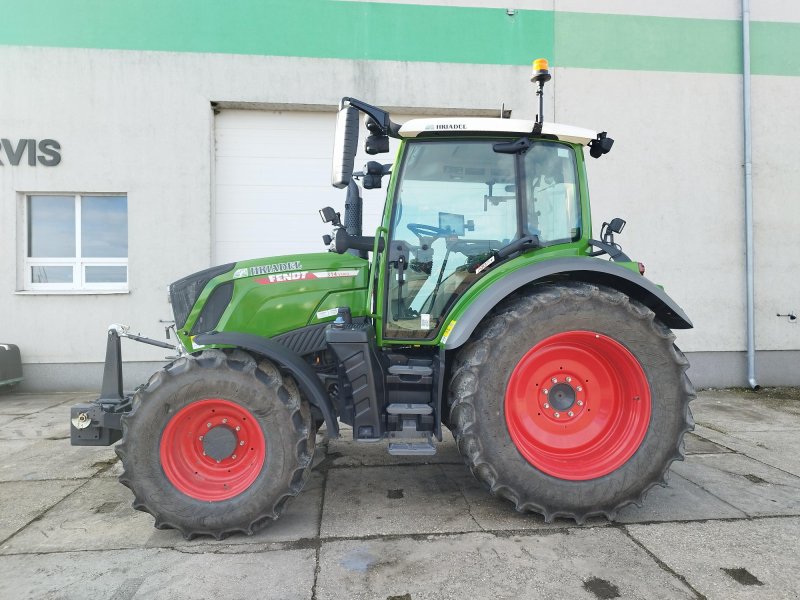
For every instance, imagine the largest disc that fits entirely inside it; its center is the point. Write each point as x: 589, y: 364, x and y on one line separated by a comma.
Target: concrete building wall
x: 135, y: 115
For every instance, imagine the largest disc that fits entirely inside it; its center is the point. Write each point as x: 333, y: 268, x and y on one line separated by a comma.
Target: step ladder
x: 408, y: 441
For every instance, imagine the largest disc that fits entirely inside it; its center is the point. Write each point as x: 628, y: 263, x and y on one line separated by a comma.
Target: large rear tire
x: 216, y: 444
x: 571, y: 401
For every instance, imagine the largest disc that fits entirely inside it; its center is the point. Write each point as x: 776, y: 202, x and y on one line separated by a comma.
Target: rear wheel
x: 572, y: 401
x: 216, y: 444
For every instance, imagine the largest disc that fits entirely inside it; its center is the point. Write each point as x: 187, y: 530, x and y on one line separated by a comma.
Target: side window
x: 75, y: 243
x: 554, y: 212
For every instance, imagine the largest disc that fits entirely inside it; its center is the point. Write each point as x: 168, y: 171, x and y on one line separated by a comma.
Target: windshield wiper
x: 515, y: 147
x: 524, y: 243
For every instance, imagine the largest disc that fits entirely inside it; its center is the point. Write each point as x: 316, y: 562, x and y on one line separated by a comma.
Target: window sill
x: 69, y: 292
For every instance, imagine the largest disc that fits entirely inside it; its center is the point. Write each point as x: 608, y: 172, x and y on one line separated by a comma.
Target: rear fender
x: 286, y: 359
x: 589, y: 270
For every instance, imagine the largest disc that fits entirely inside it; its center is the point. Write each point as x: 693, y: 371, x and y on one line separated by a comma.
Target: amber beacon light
x: 540, y: 76
x: 540, y: 70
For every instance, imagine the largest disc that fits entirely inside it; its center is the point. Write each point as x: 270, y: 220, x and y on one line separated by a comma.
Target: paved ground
x: 369, y: 525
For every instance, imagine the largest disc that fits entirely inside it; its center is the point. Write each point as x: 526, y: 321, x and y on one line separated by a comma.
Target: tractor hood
x: 269, y: 296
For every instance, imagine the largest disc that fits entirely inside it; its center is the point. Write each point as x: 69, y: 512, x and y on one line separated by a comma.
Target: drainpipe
x: 748, y: 197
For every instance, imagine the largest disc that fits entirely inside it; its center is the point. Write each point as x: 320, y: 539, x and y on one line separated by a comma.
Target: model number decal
x: 303, y: 275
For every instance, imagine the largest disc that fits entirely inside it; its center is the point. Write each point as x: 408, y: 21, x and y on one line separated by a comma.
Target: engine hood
x: 274, y: 295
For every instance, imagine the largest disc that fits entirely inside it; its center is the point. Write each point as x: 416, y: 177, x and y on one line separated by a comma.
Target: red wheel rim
x: 578, y: 405
x: 212, y: 471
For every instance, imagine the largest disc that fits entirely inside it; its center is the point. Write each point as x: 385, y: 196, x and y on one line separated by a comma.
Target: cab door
x: 454, y: 203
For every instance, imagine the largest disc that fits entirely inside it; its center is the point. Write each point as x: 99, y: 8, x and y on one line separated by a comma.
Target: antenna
x: 540, y: 75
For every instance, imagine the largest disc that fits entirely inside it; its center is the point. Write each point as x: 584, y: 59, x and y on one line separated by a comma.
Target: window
x: 554, y: 210
x: 76, y: 242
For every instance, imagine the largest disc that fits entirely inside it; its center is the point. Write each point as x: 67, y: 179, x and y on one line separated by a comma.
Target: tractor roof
x: 424, y: 127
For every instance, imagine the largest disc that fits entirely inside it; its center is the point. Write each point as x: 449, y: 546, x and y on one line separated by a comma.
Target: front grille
x: 185, y: 292
x: 213, y: 307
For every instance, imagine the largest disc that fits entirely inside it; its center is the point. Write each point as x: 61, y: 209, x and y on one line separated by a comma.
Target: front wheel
x: 572, y: 401
x: 216, y: 444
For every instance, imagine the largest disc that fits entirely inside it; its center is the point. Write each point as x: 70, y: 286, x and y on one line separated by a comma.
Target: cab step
x: 413, y: 446
x: 409, y: 409
x: 411, y: 370
x: 413, y: 435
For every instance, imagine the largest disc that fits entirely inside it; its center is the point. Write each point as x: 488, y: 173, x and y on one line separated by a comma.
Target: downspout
x: 748, y: 197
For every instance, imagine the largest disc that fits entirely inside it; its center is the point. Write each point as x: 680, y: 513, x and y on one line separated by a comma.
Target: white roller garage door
x: 272, y: 176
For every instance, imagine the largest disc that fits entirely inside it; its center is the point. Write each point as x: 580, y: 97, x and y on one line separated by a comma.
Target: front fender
x: 589, y: 270
x: 286, y: 359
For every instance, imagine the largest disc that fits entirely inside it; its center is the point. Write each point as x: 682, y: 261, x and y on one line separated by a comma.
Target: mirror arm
x: 380, y: 116
x: 613, y: 251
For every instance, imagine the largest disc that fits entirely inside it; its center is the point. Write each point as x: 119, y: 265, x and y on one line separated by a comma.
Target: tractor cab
x: 465, y: 197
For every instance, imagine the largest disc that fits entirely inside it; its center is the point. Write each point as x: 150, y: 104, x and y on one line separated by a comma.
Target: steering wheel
x: 422, y: 230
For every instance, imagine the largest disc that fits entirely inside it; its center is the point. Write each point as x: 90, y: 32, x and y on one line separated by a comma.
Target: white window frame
x: 78, y: 263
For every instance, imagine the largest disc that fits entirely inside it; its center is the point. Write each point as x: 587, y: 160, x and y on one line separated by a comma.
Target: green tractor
x: 481, y: 304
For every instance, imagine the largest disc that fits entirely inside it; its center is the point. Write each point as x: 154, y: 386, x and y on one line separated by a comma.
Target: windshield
x: 456, y: 204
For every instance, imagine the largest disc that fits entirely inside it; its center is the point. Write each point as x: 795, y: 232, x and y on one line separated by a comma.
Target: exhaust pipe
x: 353, y: 207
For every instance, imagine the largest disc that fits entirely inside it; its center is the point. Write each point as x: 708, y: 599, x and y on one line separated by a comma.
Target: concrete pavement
x: 370, y: 525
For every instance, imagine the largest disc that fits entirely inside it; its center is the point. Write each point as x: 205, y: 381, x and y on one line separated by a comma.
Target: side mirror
x: 345, y: 146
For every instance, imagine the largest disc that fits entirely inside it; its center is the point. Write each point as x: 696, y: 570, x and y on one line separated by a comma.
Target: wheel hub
x: 562, y: 396
x: 220, y: 442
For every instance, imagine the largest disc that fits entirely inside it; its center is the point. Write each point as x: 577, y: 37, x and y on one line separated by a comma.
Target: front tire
x: 216, y: 444
x: 572, y: 401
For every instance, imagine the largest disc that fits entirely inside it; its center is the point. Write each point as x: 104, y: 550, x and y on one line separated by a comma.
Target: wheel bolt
x: 201, y: 437
x: 557, y: 415
x: 238, y: 428
x: 224, y: 420
x: 208, y: 425
x: 580, y: 402
x: 204, y: 452
x: 546, y: 405
x: 233, y: 456
x: 241, y: 443
x: 554, y: 380
x: 569, y: 379
x: 579, y: 389
x: 545, y: 391
x: 571, y: 414
x: 217, y: 462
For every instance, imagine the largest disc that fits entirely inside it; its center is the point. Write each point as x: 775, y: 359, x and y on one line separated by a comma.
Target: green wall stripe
x: 402, y: 32
x: 775, y: 48
x: 598, y: 41
x: 311, y: 28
